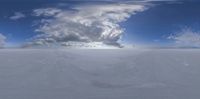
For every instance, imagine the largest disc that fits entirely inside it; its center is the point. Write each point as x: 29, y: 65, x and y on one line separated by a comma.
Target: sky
x: 92, y: 23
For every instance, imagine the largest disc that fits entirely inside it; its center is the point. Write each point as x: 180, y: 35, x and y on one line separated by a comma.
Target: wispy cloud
x: 84, y: 23
x: 17, y: 15
x: 2, y: 40
x: 186, y: 38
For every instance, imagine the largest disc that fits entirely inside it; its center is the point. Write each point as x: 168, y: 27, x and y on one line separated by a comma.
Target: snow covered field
x: 99, y: 74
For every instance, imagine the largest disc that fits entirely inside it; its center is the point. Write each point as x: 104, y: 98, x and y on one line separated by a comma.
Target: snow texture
x: 99, y: 74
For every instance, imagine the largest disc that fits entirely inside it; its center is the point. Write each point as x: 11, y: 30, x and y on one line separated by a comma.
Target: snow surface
x: 99, y: 74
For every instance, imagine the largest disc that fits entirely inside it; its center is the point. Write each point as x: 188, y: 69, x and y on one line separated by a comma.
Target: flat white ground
x: 99, y: 74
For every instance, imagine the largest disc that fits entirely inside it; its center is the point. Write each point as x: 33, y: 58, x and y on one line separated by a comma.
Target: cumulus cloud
x: 186, y: 38
x: 2, y: 40
x: 84, y: 23
x: 17, y: 15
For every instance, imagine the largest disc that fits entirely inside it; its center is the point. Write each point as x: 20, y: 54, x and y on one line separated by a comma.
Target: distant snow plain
x: 99, y: 74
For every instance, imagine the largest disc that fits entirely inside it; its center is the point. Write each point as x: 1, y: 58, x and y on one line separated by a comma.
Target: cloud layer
x: 186, y: 38
x: 84, y: 23
x: 2, y: 40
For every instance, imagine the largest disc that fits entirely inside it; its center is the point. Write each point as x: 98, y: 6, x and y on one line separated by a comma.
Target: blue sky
x: 146, y: 22
x: 160, y: 21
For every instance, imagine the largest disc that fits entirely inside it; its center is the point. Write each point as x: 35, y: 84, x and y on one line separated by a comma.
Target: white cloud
x: 186, y: 38
x: 84, y: 23
x: 46, y: 12
x: 17, y: 15
x: 2, y: 40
